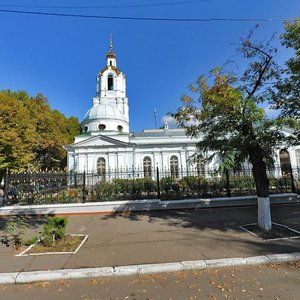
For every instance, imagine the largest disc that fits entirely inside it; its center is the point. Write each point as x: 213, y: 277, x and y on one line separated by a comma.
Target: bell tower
x: 110, y: 112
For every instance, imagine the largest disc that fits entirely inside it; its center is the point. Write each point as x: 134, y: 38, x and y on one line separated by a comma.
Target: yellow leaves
x: 93, y: 281
x: 221, y: 288
x: 42, y: 284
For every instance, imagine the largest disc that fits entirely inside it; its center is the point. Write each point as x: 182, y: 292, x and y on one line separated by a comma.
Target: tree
x: 230, y: 122
x: 31, y: 134
x: 286, y: 91
x: 16, y: 135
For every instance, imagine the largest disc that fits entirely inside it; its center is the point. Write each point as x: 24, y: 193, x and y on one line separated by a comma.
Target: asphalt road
x: 261, y: 282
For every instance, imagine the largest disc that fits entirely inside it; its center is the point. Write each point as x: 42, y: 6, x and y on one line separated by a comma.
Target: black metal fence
x: 134, y: 184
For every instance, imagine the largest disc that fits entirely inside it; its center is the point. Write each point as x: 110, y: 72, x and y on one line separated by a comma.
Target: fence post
x: 157, y: 181
x: 293, y: 187
x: 227, y: 183
x: 75, y: 179
x: 5, y: 188
x: 83, y: 188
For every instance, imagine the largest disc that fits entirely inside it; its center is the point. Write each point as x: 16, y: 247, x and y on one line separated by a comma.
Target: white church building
x: 106, y: 143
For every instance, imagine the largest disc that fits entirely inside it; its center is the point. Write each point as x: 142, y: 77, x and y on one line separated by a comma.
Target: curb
x: 133, y: 270
x: 112, y: 207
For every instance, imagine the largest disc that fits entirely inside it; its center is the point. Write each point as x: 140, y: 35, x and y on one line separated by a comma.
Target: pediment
x: 101, y: 141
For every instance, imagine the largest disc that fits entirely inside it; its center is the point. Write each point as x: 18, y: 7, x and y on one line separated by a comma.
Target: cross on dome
x: 110, y: 44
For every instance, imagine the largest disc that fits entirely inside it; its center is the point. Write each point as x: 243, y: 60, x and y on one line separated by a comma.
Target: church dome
x: 103, y: 111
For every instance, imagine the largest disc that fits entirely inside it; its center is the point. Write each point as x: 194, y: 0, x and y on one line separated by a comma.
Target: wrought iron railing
x: 133, y: 184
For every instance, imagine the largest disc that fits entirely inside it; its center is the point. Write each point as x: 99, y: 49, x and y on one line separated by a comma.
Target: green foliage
x: 286, y: 94
x: 169, y: 183
x: 124, y: 189
x: 103, y: 191
x: 16, y: 228
x: 16, y: 135
x: 31, y: 241
x: 54, y: 229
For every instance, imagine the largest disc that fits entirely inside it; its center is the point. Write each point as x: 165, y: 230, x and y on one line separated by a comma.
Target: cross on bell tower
x: 111, y: 58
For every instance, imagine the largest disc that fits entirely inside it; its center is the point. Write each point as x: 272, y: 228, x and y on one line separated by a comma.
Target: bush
x: 123, y: 189
x: 103, y: 191
x: 280, y: 184
x: 167, y: 184
x: 54, y: 229
x: 194, y: 184
x: 31, y: 241
x: 16, y: 227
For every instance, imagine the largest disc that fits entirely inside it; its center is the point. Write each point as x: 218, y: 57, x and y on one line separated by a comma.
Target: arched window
x: 285, y: 162
x: 110, y: 82
x: 147, y: 166
x: 200, y: 166
x: 101, y: 167
x: 86, y: 128
x: 102, y: 127
x: 120, y: 128
x: 174, y: 166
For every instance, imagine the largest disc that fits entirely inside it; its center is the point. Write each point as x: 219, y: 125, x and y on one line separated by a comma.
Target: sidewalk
x: 160, y: 237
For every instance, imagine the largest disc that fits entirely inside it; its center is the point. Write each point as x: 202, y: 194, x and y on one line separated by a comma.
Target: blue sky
x: 60, y: 56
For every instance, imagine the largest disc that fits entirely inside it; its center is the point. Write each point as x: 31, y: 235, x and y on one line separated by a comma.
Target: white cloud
x: 170, y: 120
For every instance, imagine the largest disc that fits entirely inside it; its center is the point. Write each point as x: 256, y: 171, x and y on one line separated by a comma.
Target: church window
x: 86, y: 128
x: 120, y: 128
x: 101, y: 166
x: 110, y: 82
x: 174, y: 166
x: 285, y: 162
x: 110, y: 63
x: 147, y: 166
x: 102, y: 127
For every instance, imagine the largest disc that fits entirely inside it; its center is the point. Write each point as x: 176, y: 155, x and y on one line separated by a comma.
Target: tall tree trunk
x: 259, y: 172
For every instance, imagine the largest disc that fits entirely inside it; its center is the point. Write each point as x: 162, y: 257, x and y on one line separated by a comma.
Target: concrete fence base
x: 140, y: 205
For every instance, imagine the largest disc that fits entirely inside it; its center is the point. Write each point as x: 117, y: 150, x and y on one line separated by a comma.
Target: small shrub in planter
x: 54, y: 229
